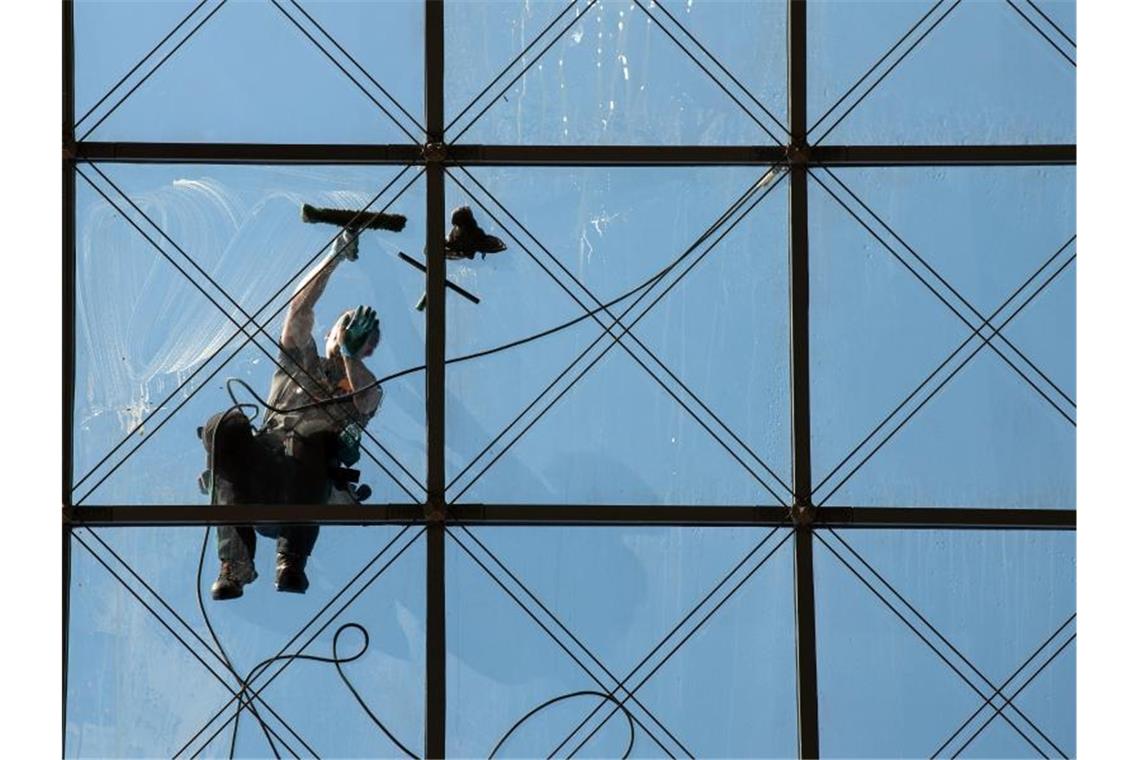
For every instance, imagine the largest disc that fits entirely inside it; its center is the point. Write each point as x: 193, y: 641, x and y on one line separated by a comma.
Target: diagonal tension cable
x: 178, y: 637
x: 142, y: 60
x: 682, y: 642
x: 546, y: 629
x: 938, y: 634
x: 952, y: 289
x: 886, y: 73
x: 886, y: 602
x: 1008, y: 700
x: 347, y: 73
x: 569, y: 7
x: 708, y: 233
x: 258, y: 328
x: 1051, y: 23
x: 522, y: 73
x: 943, y: 299
x: 237, y: 351
x: 948, y: 378
x: 569, y: 633
x: 717, y: 81
x: 998, y: 691
x: 615, y: 323
x: 156, y: 67
x: 363, y: 70
x: 1041, y: 32
x: 719, y: 65
x: 943, y: 364
x: 311, y: 639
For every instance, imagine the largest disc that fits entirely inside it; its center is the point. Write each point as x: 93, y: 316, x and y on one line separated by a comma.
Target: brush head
x: 371, y: 220
x: 467, y: 238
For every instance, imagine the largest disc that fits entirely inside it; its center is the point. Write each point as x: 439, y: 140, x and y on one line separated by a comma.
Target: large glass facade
x: 757, y: 440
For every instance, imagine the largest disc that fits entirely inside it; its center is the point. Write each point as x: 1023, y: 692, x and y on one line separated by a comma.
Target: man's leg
x: 236, y: 547
x: 294, y: 545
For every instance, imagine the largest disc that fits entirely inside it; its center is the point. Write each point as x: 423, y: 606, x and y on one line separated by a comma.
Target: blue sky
x: 986, y: 439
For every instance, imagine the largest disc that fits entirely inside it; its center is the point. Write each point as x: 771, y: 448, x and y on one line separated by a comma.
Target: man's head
x: 342, y: 323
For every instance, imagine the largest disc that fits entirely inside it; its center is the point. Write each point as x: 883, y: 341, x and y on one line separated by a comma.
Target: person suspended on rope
x: 308, y: 440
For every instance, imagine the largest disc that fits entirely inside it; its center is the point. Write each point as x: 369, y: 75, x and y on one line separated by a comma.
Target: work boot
x: 231, y: 577
x: 467, y: 238
x: 291, y: 573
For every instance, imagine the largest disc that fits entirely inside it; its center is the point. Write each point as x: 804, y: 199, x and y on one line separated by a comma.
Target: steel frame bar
x: 435, y: 639
x: 712, y: 516
x: 68, y: 316
x: 578, y: 155
x: 807, y: 697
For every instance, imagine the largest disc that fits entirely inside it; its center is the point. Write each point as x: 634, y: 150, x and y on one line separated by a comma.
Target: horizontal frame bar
x: 575, y: 155
x: 954, y: 518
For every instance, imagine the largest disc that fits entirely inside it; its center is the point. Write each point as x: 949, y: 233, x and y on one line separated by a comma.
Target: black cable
x: 569, y: 7
x: 1005, y: 683
x: 312, y: 638
x: 612, y: 343
x: 149, y: 74
x: 874, y: 66
x: 942, y: 384
x: 571, y: 695
x: 525, y: 69
x: 514, y: 597
x: 142, y: 60
x: 617, y: 323
x: 347, y: 73
x: 888, y: 71
x: 1041, y: 32
x: 157, y: 617
x: 357, y: 64
x: 570, y: 633
x: 716, y: 81
x: 939, y: 368
x: 952, y: 289
x: 683, y: 641
x: 233, y: 355
x: 943, y: 299
x: 911, y: 626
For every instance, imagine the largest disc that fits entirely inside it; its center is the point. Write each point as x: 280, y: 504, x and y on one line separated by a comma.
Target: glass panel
x: 878, y: 332
x: 608, y: 72
x: 249, y: 73
x: 618, y: 436
x: 134, y: 690
x: 995, y: 596
x: 979, y: 73
x: 143, y: 329
x: 728, y: 691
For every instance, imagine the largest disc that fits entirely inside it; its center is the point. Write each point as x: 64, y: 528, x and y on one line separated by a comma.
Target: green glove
x: 348, y: 451
x: 358, y: 327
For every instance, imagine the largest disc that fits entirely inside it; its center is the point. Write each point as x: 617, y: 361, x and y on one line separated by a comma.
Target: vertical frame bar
x: 806, y: 682
x: 435, y: 691
x: 68, y: 316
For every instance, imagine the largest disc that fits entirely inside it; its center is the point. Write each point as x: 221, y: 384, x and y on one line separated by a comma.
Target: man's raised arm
x: 299, y: 319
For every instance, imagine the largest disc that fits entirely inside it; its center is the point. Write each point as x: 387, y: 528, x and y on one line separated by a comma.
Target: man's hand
x: 355, y: 330
x: 347, y: 245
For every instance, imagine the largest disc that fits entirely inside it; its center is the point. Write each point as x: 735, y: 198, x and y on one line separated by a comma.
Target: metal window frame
x: 436, y: 156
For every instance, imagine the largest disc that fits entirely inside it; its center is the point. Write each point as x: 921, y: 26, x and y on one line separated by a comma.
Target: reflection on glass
x: 613, y: 73
x: 249, y: 72
x: 966, y: 73
x: 721, y: 683
x: 906, y: 265
x: 156, y: 345
x: 716, y: 338
x: 136, y: 690
x: 989, y: 602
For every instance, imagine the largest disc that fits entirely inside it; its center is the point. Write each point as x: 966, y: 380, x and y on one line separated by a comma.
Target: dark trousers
x: 239, y: 542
